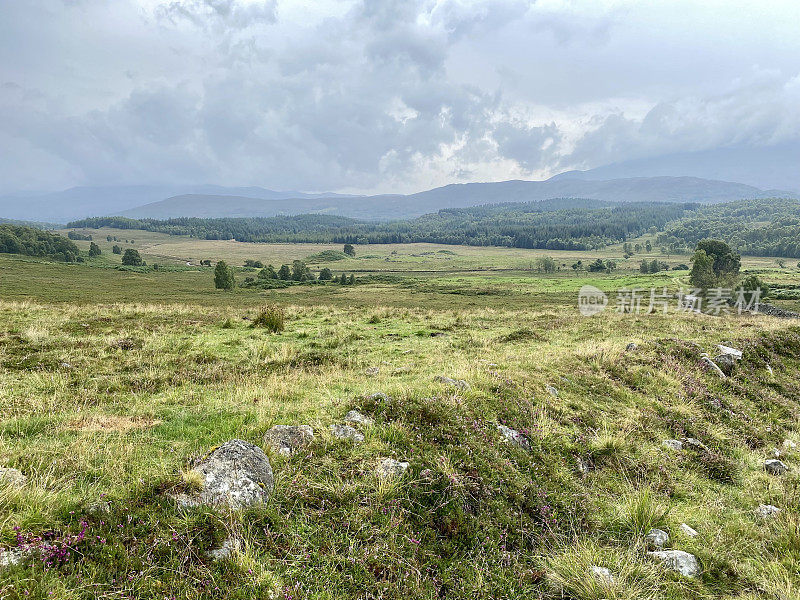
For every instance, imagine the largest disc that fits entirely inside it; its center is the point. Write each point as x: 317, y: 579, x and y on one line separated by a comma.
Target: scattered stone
x: 288, y: 439
x: 551, y: 390
x: 714, y: 367
x: 345, y: 432
x: 225, y: 551
x: 372, y: 371
x: 673, y: 444
x: 688, y: 530
x: 582, y: 466
x: 459, y: 383
x: 737, y: 354
x: 12, y: 477
x: 656, y: 538
x: 11, y: 558
x: 513, y: 436
x: 66, y: 365
x: 390, y: 468
x: 679, y: 561
x: 356, y: 417
x: 379, y: 396
x: 765, y: 511
x: 789, y: 444
x: 237, y: 474
x: 776, y: 452
x: 602, y: 574
x: 769, y: 369
x: 726, y: 363
x: 631, y: 347
x: 695, y: 444
x: 102, y: 507
x: 773, y: 466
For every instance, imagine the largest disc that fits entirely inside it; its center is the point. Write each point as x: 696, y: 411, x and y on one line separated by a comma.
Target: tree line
x: 558, y: 224
x: 18, y: 239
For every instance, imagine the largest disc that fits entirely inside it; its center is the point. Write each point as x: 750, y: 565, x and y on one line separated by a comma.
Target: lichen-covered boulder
x: 513, y: 436
x: 390, y: 468
x: 345, y: 432
x: 773, y: 466
x: 12, y: 477
x: 356, y: 417
x: 679, y: 561
x: 236, y: 474
x: 656, y: 538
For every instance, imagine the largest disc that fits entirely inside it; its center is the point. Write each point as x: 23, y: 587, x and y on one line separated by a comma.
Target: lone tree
x: 223, y: 276
x: 325, y: 274
x: 349, y: 250
x: 94, y: 249
x: 714, y: 264
x: 132, y: 258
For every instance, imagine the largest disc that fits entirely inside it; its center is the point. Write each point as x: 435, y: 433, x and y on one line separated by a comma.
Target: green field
x: 113, y: 381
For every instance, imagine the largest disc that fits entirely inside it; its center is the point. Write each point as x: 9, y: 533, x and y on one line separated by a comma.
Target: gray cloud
x: 379, y: 96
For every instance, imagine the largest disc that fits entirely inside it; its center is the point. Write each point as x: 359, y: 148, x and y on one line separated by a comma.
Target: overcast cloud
x: 389, y: 95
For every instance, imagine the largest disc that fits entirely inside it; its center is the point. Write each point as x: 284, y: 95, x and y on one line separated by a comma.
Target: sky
x: 382, y: 96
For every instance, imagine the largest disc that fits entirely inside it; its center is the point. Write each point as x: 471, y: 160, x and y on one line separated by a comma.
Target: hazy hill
x: 641, y: 189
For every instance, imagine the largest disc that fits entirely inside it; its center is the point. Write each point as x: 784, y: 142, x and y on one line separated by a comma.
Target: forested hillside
x: 559, y: 224
x: 17, y: 239
x: 752, y: 227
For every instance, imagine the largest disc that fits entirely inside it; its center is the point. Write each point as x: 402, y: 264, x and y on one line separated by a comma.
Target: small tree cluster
x: 349, y: 250
x: 132, y: 258
x: 94, y: 250
x: 714, y: 265
x: 254, y: 264
x: 601, y: 266
x: 654, y: 266
x: 546, y: 264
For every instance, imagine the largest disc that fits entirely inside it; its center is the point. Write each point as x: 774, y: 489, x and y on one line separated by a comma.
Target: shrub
x: 116, y: 249
x: 349, y: 250
x: 94, y: 249
x: 325, y: 274
x: 271, y: 317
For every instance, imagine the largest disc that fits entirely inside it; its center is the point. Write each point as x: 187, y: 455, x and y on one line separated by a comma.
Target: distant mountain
x: 766, y: 167
x: 80, y: 202
x: 384, y: 207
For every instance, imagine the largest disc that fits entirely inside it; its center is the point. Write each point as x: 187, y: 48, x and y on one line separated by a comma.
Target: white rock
x: 551, y: 390
x: 356, y: 417
x: 773, y: 466
x: 602, y: 574
x: 372, y: 371
x: 389, y: 467
x: 789, y: 444
x: 513, y: 436
x: 345, y: 432
x: 228, y: 547
x: 688, y: 530
x: 765, y: 511
x: 679, y: 561
x: 12, y: 477
x: 714, y: 367
x: 10, y: 558
x: 656, y: 538
x: 673, y: 444
x: 769, y: 368
x: 737, y: 354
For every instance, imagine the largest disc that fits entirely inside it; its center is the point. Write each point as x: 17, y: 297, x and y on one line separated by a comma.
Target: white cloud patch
x: 396, y: 95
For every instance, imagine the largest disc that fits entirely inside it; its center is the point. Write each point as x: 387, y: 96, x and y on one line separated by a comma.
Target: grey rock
x: 379, y: 396
x: 356, y: 417
x: 688, y: 530
x: 765, y: 511
x: 288, y: 439
x: 391, y: 468
x: 673, y: 444
x: 695, y: 444
x: 726, y: 363
x: 714, y: 367
x: 345, y: 432
x: 631, y: 347
x: 773, y: 466
x: 102, y: 507
x: 225, y: 551
x: 236, y: 474
x: 551, y: 390
x: 656, y: 538
x: 12, y: 477
x: 679, y: 561
x: 458, y: 383
x: 513, y: 436
x: 602, y: 574
x: 789, y: 444
x: 372, y: 371
x: 583, y: 467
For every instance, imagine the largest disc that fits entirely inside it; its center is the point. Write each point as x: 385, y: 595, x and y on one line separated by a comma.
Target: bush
x: 132, y: 258
x: 271, y: 318
x: 116, y: 249
x: 325, y: 274
x: 253, y: 264
x: 349, y: 250
x: 94, y: 249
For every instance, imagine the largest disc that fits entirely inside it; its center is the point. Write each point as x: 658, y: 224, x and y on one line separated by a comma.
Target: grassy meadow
x: 113, y: 381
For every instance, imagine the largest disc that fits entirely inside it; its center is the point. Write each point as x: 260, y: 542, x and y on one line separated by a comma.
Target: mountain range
x: 161, y: 202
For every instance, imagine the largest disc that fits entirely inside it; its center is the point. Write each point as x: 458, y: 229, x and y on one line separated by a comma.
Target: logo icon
x: 591, y: 301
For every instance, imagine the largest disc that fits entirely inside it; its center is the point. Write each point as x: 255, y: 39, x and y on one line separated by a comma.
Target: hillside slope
x: 651, y: 189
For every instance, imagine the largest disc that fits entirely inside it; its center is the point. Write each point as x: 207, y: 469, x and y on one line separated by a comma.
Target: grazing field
x: 114, y: 382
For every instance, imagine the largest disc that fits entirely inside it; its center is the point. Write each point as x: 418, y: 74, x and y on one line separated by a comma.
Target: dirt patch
x: 111, y: 423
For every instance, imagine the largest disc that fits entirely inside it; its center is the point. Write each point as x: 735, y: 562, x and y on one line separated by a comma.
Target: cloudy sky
x: 382, y: 95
